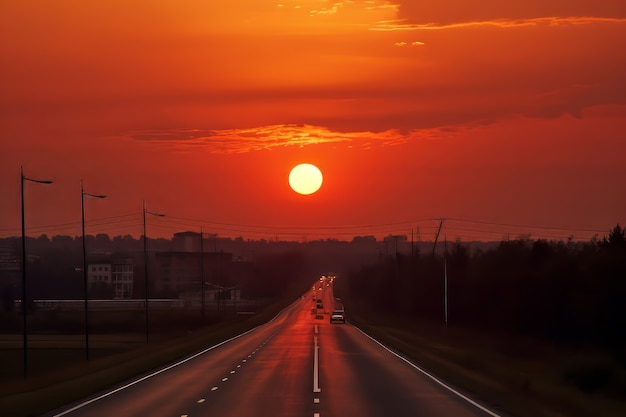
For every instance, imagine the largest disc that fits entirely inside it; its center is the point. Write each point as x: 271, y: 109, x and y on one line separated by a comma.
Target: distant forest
x: 566, y: 292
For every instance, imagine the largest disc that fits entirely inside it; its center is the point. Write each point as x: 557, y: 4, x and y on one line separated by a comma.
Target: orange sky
x: 492, y: 113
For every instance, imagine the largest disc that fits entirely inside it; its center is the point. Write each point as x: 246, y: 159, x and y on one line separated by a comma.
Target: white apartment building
x: 116, y: 273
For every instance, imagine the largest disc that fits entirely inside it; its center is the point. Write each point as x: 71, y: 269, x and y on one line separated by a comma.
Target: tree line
x: 566, y: 292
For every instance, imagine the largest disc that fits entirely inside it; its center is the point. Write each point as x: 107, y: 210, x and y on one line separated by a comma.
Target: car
x: 337, y: 317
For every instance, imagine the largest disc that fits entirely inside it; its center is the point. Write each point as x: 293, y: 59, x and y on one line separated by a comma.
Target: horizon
x: 506, y: 232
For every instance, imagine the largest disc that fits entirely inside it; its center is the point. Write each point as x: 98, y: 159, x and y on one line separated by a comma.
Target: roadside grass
x: 514, y: 376
x: 66, y: 376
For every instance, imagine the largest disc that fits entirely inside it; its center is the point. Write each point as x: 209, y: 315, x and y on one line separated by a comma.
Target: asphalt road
x: 296, y: 365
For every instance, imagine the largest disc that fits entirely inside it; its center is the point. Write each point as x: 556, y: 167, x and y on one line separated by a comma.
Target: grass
x: 61, y: 375
x: 521, y: 376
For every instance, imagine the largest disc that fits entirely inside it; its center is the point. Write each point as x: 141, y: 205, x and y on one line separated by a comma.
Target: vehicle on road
x: 337, y: 316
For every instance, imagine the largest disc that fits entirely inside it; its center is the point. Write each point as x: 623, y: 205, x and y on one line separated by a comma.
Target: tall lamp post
x: 202, y: 273
x: 24, y: 302
x: 145, y: 262
x: 85, y: 286
x: 445, y: 280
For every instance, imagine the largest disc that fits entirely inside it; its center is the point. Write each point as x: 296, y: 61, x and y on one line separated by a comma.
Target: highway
x: 296, y: 365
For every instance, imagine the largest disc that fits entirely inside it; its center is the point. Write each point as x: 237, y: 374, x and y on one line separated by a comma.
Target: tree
x: 616, y: 239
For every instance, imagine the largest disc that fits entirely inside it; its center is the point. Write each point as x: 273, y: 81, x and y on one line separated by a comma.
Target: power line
x: 525, y: 226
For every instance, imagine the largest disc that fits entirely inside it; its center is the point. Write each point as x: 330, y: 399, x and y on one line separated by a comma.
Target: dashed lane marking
x: 214, y: 389
x: 316, y: 382
x: 201, y: 400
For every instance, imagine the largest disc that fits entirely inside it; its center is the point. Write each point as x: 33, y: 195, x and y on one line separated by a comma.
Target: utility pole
x: 202, y: 272
x: 445, y: 279
x: 24, y: 302
x: 437, y: 235
x: 85, y: 284
x: 220, y: 290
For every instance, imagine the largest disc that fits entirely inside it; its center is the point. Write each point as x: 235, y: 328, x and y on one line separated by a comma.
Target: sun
x: 305, y: 179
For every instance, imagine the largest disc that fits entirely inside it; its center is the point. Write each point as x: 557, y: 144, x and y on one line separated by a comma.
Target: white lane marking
x: 232, y: 372
x: 183, y: 415
x: 243, y: 360
x: 224, y: 379
x: 167, y: 368
x: 316, y: 382
x: 434, y: 378
x: 238, y: 366
x: 316, y: 400
x: 201, y: 400
x: 214, y: 389
x: 316, y: 414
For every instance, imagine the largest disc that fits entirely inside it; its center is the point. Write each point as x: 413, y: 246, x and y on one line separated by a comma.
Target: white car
x: 337, y: 317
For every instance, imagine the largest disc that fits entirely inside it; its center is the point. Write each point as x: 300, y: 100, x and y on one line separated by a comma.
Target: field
x: 522, y: 377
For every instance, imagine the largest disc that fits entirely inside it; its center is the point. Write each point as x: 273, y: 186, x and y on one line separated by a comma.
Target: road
x: 296, y: 365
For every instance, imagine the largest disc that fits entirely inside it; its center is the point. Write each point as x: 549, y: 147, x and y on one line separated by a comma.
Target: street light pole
x: 24, y: 307
x: 445, y: 280
x: 145, y: 264
x: 202, y: 272
x: 85, y: 286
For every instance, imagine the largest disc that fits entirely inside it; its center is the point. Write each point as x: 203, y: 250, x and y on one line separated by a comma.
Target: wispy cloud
x: 414, y: 43
x: 228, y: 141
x: 404, y: 25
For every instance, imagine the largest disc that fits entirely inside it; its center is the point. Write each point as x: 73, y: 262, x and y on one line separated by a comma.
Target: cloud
x: 440, y: 13
x: 414, y: 43
x: 405, y: 25
x: 229, y: 141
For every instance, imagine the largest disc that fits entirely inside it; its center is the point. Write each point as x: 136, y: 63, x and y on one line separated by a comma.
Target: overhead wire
x: 459, y: 228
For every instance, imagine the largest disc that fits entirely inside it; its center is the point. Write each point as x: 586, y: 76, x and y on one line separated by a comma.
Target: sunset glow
x: 507, y: 113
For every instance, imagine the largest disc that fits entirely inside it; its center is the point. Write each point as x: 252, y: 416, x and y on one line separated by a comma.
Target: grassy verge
x: 78, y: 379
x: 521, y: 377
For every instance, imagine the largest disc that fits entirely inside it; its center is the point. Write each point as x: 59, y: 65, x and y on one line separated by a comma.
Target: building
x: 122, y: 278
x: 175, y: 273
x: 114, y: 272
x: 187, y: 242
x: 10, y: 274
